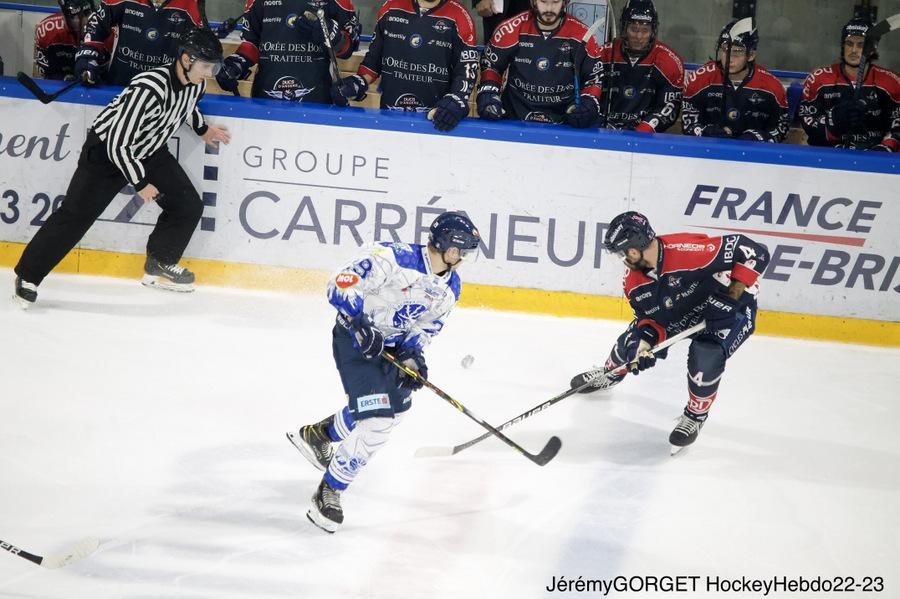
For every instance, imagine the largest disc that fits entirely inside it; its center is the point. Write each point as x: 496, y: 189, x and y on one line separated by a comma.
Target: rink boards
x: 301, y: 188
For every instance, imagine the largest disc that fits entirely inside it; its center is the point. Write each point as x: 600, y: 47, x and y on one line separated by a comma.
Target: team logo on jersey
x: 733, y: 114
x: 542, y: 64
x: 346, y: 279
x: 755, y: 98
x: 415, y: 40
x: 288, y: 88
x: 630, y: 91
x: 565, y: 48
x: 668, y: 303
x: 176, y: 18
x: 291, y: 20
x: 408, y: 314
x: 441, y: 26
x: 674, y: 281
x: 408, y: 103
x: 152, y: 34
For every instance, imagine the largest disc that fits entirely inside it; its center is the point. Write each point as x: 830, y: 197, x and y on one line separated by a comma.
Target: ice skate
x: 313, y: 442
x: 685, y: 433
x: 26, y: 293
x: 601, y: 382
x: 325, y: 511
x: 170, y: 277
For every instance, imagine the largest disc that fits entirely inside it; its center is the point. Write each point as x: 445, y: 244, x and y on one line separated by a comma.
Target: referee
x: 127, y: 144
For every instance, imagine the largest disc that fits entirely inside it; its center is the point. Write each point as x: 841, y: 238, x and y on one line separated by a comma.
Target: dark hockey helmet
x: 641, y: 11
x: 454, y: 229
x: 73, y: 8
x: 855, y: 26
x: 628, y: 230
x: 739, y: 33
x: 202, y: 45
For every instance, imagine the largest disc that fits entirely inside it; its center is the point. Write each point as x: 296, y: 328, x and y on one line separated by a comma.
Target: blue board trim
x: 550, y: 135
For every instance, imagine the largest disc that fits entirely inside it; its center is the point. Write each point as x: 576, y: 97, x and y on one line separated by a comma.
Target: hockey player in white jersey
x: 395, y: 297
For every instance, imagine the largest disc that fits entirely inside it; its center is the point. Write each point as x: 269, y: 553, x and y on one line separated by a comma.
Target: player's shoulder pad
x: 52, y: 29
x: 688, y: 251
x: 888, y: 80
x: 464, y: 24
x: 407, y: 255
x: 455, y: 285
x: 507, y: 32
x: 634, y: 279
x: 668, y: 62
x: 817, y: 79
x: 766, y: 81
x: 346, y: 5
x: 706, y: 75
x: 400, y: 5
x: 572, y: 28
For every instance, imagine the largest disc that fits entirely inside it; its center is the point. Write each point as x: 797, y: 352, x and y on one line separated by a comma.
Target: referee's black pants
x: 94, y: 185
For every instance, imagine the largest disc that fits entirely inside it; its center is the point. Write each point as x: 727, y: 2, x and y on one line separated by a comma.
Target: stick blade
x: 31, y: 86
x: 80, y: 550
x: 434, y: 452
x: 549, y: 451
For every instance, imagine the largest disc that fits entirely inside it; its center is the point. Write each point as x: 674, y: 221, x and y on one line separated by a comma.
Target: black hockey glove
x: 412, y: 358
x: 367, y: 338
x: 449, y: 111
x: 846, y: 116
x: 638, y: 356
x: 87, y: 65
x: 354, y: 87
x: 225, y: 28
x: 586, y: 114
x: 714, y: 131
x: 309, y: 28
x: 751, y: 135
x: 721, y: 311
x: 488, y: 102
x: 234, y: 68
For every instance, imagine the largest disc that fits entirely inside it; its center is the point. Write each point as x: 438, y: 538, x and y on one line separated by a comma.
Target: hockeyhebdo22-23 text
x: 763, y: 587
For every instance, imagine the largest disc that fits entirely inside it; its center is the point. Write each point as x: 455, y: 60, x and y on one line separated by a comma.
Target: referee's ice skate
x: 170, y: 277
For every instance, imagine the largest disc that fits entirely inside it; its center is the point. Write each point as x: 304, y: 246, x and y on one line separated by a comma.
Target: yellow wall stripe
x: 536, y: 301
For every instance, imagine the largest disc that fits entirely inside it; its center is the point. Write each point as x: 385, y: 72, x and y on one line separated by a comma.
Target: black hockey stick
x: 546, y: 454
x: 870, y: 47
x: 433, y: 452
x: 82, y: 549
x: 45, y: 98
x: 610, y: 9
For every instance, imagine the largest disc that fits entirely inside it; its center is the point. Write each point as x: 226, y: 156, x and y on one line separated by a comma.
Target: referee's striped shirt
x: 141, y: 119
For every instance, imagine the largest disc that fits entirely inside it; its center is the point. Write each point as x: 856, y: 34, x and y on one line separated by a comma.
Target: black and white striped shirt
x: 141, y: 119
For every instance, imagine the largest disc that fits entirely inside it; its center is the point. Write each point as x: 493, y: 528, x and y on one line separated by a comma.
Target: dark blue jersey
x: 148, y: 37
x: 292, y: 66
x: 422, y: 56
x: 539, y: 68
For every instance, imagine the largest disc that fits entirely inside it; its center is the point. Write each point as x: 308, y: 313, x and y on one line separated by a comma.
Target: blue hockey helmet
x: 454, y: 229
x: 628, y: 230
x: 742, y: 32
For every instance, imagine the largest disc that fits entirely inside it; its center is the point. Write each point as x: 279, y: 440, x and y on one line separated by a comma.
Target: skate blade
x: 166, y: 285
x: 23, y: 303
x: 297, y: 442
x: 676, y: 450
x: 321, y: 521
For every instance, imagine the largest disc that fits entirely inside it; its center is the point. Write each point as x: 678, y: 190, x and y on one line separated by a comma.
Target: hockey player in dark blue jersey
x: 673, y: 283
x: 424, y: 52
x: 149, y: 34
x: 541, y: 52
x: 288, y: 44
x: 393, y: 297
x: 57, y: 37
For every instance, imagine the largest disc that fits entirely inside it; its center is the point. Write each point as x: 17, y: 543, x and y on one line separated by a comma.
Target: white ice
x: 156, y: 422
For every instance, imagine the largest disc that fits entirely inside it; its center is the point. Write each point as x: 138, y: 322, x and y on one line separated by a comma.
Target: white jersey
x: 394, y: 285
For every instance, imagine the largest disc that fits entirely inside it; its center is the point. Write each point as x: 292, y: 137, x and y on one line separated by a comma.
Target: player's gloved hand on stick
x: 638, y: 356
x: 353, y: 87
x: 234, y: 68
x: 412, y: 358
x: 585, y: 114
x: 847, y: 115
x: 751, y: 135
x: 87, y: 65
x: 714, y: 131
x: 448, y: 112
x: 367, y: 338
x: 721, y: 311
x: 225, y: 28
x: 488, y: 102
x: 309, y: 28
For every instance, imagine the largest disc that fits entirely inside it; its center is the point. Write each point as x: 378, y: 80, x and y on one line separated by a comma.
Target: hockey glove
x: 87, y: 65
x: 449, y: 111
x: 638, y: 356
x: 309, y: 28
x: 353, y: 87
x: 488, y: 102
x: 721, y: 311
x: 412, y: 358
x: 644, y: 127
x: 584, y: 115
x: 751, y: 135
x: 234, y: 68
x: 846, y: 116
x: 367, y: 338
x: 714, y: 131
x: 225, y: 28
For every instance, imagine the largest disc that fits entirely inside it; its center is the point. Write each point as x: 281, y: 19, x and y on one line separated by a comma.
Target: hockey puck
x: 467, y: 361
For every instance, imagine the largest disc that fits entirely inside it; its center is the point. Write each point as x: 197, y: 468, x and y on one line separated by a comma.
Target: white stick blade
x: 434, y: 452
x: 78, y: 551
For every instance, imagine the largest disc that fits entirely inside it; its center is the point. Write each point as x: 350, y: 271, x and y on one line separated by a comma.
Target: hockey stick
x: 433, y: 452
x: 584, y: 40
x: 80, y: 550
x: 40, y: 94
x: 201, y: 8
x: 612, y: 56
x: 873, y: 36
x: 320, y: 16
x: 546, y: 454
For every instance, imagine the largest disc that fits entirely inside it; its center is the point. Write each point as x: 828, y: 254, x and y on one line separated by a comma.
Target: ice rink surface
x: 156, y: 422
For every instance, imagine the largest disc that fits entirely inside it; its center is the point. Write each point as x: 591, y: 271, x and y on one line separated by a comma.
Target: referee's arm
x: 196, y: 120
x: 125, y: 131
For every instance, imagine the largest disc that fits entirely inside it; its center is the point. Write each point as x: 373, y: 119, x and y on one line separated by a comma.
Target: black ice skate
x: 170, y: 277
x: 325, y: 511
x: 685, y: 433
x: 314, y: 443
x: 601, y: 381
x: 26, y: 293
